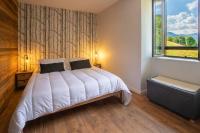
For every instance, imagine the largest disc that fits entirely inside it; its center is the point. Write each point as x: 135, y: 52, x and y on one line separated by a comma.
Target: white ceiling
x: 94, y: 6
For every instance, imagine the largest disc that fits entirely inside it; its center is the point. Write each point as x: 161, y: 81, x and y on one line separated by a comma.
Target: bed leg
x: 121, y: 97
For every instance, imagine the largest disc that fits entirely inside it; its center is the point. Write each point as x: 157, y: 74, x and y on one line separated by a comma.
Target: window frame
x: 165, y: 33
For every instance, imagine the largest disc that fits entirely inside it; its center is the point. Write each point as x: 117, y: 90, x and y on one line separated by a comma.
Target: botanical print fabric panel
x: 46, y: 33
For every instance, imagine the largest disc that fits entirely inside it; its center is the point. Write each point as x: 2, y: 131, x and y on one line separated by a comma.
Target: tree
x: 176, y: 40
x: 190, y: 41
x: 182, y: 40
x: 170, y: 39
x: 158, y: 34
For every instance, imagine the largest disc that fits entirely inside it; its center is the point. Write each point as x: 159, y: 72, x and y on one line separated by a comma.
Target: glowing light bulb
x: 101, y: 55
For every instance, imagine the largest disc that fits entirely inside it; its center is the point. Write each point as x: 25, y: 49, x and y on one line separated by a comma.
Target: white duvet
x: 51, y: 92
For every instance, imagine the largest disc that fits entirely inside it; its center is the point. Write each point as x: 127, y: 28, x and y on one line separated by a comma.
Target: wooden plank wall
x: 8, y: 49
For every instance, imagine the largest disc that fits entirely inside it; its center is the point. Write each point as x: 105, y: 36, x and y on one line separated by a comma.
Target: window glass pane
x: 158, y: 27
x: 182, y: 53
x: 182, y: 27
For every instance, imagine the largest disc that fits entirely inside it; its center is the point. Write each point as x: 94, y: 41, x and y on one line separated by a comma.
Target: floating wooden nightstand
x: 22, y: 78
x: 98, y: 65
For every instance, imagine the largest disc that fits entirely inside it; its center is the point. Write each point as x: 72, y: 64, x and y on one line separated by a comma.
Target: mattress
x: 51, y: 92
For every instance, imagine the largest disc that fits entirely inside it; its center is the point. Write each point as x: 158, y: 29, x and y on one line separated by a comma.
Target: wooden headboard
x: 8, y: 49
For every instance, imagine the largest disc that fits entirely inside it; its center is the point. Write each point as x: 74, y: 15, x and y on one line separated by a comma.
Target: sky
x: 182, y: 16
x: 176, y: 6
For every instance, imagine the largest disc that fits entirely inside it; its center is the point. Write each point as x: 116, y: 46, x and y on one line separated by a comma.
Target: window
x: 176, y: 28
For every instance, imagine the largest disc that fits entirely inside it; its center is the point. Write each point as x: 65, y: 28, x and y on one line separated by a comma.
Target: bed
x: 53, y: 92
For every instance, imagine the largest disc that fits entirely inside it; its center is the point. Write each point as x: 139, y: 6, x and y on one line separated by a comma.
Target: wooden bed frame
x: 118, y: 94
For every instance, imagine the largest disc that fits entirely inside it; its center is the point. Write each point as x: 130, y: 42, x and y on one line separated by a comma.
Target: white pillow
x: 50, y: 61
x: 76, y: 59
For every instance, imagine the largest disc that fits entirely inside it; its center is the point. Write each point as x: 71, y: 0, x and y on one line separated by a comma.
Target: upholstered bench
x: 178, y: 96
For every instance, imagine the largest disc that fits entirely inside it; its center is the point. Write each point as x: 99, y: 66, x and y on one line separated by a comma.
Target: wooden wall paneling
x: 8, y: 49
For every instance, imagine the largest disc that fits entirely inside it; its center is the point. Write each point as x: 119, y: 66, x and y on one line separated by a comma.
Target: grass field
x: 181, y: 53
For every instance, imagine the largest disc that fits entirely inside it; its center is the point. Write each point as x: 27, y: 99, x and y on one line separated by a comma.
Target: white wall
x: 146, y: 42
x: 120, y: 41
x: 178, y: 69
x: 125, y: 32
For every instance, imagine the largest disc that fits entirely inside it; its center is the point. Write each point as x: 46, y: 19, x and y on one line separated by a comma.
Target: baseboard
x: 144, y: 92
x: 140, y: 92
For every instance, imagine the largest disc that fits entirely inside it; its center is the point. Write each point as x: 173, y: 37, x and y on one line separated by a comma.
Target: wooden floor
x: 107, y: 116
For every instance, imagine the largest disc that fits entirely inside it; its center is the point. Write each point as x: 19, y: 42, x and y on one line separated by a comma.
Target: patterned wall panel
x: 54, y: 33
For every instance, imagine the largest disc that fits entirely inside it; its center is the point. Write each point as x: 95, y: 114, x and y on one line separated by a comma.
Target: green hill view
x: 174, y: 41
x: 180, y: 53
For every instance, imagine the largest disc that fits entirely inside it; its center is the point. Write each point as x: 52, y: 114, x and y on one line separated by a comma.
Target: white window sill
x: 177, y: 59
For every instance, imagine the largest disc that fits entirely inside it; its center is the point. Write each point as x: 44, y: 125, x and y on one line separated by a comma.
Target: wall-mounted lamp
x: 96, y: 57
x: 25, y: 62
x: 97, y: 60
